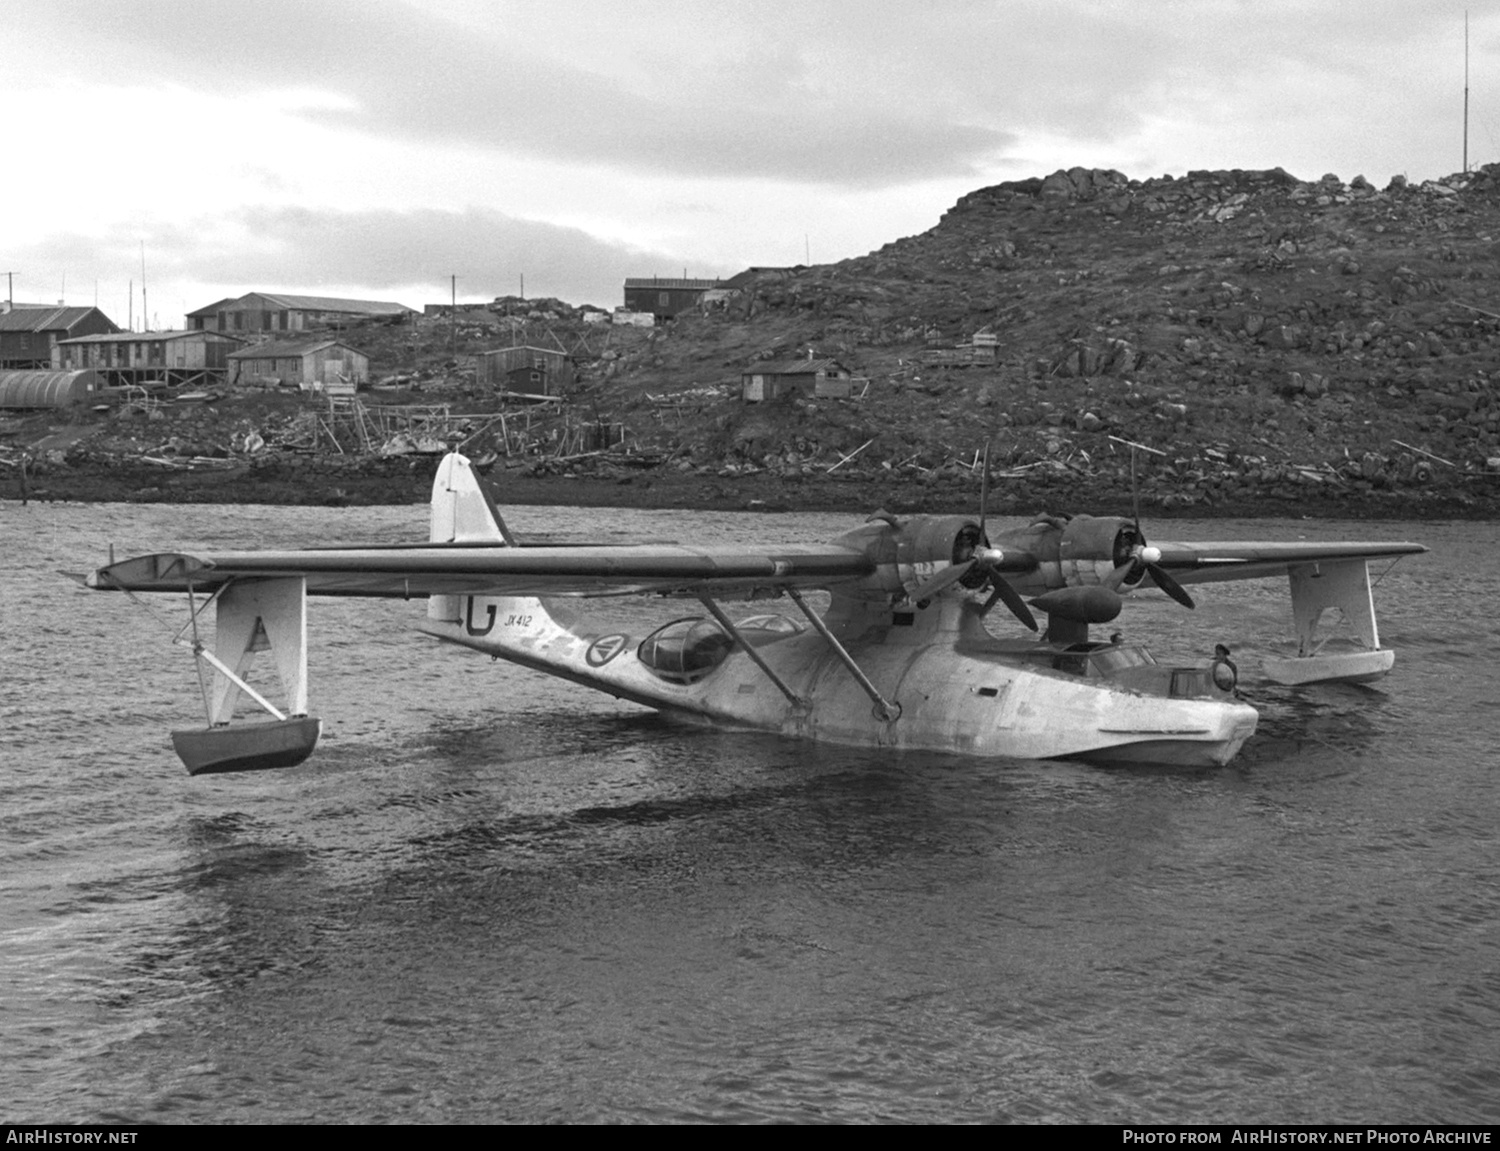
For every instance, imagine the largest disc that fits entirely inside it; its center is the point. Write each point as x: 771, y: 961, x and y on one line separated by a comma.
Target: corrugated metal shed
x: 46, y: 389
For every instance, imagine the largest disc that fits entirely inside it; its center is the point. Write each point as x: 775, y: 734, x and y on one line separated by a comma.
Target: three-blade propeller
x: 1144, y: 559
x: 983, y: 560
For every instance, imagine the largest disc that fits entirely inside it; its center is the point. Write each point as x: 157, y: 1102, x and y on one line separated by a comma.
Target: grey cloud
x: 487, y: 250
x: 416, y: 76
x: 818, y: 92
x: 302, y: 249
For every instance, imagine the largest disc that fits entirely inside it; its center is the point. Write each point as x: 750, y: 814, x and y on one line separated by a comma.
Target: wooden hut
x: 177, y: 359
x: 664, y: 298
x: 821, y: 377
x: 29, y: 335
x: 525, y: 370
x: 322, y: 364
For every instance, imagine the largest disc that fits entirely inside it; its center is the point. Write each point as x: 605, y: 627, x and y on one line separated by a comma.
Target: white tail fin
x: 463, y: 511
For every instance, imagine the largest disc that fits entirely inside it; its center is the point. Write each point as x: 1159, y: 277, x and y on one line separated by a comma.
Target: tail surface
x: 463, y: 510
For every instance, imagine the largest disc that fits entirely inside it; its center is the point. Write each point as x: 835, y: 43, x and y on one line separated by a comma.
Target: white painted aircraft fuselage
x: 951, y: 685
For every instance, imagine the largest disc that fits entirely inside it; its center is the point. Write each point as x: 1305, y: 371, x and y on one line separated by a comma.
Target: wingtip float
x: 901, y: 658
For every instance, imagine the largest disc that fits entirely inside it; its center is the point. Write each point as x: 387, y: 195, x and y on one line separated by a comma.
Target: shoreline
x: 407, y: 480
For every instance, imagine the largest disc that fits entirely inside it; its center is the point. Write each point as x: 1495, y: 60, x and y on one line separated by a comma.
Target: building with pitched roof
x: 316, y: 364
x: 767, y: 379
x: 274, y: 312
x: 29, y: 336
x: 525, y: 370
x: 664, y: 298
x: 176, y: 358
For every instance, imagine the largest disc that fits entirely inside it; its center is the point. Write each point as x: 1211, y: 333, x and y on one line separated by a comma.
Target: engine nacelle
x: 937, y: 540
x: 908, y: 551
x: 1093, y: 546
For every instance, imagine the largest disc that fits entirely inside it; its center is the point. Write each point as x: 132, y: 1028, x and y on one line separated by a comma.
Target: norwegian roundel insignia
x: 604, y: 649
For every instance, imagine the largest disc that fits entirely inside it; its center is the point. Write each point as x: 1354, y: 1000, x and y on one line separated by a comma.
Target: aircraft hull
x: 934, y: 695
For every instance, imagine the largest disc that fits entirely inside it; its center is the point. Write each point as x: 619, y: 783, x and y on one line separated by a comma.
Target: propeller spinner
x: 1134, y: 557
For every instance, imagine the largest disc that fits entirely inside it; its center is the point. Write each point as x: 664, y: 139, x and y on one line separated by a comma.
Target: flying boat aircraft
x: 902, y: 657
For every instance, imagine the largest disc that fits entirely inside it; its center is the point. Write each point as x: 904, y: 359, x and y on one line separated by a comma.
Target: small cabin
x: 324, y: 365
x: 525, y: 370
x: 823, y: 378
x: 662, y: 297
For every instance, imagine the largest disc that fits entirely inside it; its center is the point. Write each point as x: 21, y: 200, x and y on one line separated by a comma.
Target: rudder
x: 463, y: 510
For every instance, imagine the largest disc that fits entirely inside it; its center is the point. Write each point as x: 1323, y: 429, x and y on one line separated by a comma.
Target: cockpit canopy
x: 686, y: 650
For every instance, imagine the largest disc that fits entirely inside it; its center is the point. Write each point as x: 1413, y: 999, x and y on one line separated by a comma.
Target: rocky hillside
x: 1270, y: 336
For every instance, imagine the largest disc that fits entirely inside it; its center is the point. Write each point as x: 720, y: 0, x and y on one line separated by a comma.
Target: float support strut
x: 728, y: 625
x: 887, y: 710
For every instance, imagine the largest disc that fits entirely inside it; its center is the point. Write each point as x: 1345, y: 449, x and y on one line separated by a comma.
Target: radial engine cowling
x: 937, y: 539
x: 1093, y: 546
x: 916, y: 548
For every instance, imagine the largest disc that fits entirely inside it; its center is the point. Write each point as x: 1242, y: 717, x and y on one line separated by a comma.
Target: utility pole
x: 1466, y: 89
x: 10, y: 291
x: 453, y: 316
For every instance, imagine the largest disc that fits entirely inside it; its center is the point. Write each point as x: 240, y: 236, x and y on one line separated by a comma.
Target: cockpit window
x: 1118, y: 657
x: 685, y: 650
x: 759, y: 629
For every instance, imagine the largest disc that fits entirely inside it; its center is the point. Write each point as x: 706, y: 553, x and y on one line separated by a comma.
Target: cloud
x: 821, y: 94
x: 416, y: 76
x: 488, y: 251
x: 292, y: 249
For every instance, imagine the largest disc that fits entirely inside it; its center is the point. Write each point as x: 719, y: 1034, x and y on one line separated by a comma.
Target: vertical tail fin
x: 463, y: 510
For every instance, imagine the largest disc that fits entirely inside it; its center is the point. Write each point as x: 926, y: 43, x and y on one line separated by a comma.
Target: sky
x: 413, y: 150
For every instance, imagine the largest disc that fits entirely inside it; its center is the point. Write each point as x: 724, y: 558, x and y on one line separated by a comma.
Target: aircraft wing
x: 466, y: 569
x: 1231, y: 560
